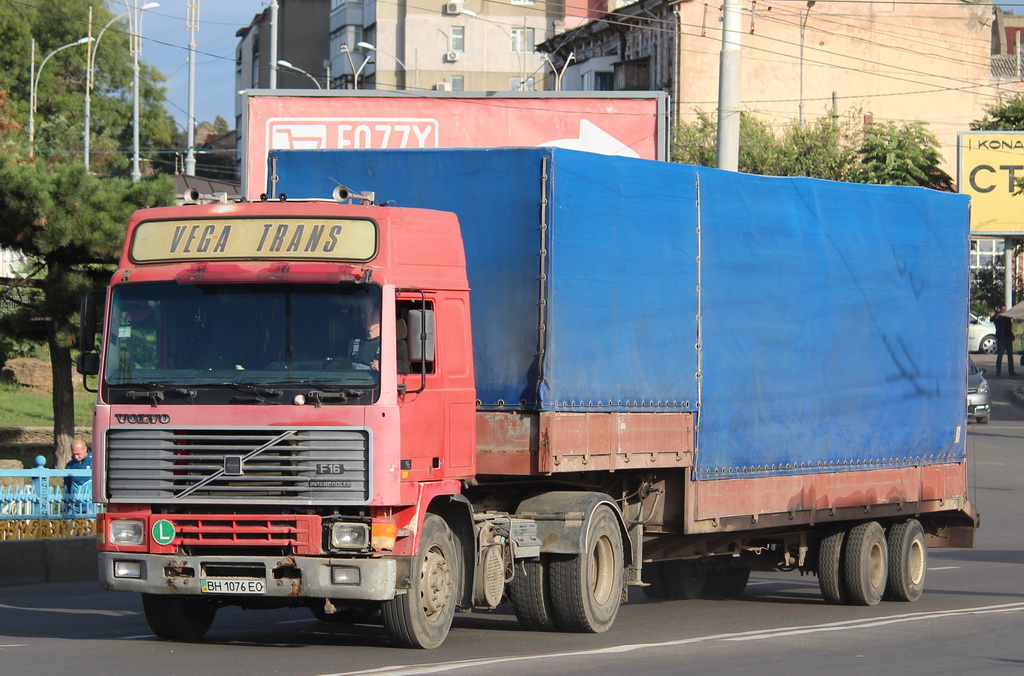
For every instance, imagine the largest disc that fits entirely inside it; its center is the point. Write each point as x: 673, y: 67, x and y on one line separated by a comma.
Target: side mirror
x: 421, y: 335
x: 90, y: 325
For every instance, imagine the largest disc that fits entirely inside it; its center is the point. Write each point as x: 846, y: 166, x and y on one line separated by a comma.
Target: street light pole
x: 192, y: 24
x: 803, y: 27
x: 287, y: 65
x: 33, y: 88
x: 136, y: 38
x: 90, y: 78
x: 522, y: 52
x: 405, y: 69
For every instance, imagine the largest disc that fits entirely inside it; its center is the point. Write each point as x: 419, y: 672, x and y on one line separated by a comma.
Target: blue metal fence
x: 41, y: 498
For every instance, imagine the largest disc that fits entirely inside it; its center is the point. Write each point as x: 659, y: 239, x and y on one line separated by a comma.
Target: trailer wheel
x: 727, y: 581
x: 586, y: 588
x: 908, y: 561
x: 830, y: 569
x: 866, y: 564
x: 421, y: 617
x: 531, y: 600
x: 685, y: 579
x: 178, y: 618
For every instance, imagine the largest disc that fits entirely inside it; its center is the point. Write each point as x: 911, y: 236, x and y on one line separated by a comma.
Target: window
x: 519, y: 84
x: 986, y: 252
x: 458, y: 38
x: 522, y: 40
x: 522, y: 2
x: 458, y: 83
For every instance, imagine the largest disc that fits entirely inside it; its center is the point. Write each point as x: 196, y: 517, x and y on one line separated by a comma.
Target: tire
x: 866, y: 564
x: 727, y: 581
x: 908, y: 561
x: 685, y: 579
x: 987, y: 345
x: 422, y: 616
x: 831, y: 579
x: 981, y: 419
x: 178, y: 618
x: 530, y: 597
x: 586, y: 588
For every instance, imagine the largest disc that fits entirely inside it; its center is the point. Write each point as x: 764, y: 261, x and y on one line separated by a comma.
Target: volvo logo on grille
x: 233, y: 465
x: 142, y: 419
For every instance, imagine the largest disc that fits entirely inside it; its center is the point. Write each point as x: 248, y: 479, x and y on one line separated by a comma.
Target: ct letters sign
x: 990, y: 163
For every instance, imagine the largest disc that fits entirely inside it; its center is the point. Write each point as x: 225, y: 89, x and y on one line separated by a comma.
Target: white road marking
x: 74, y: 611
x: 944, y: 568
x: 759, y: 635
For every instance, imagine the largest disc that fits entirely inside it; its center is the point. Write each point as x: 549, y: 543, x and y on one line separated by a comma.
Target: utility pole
x: 273, y: 44
x: 729, y: 89
x: 192, y: 24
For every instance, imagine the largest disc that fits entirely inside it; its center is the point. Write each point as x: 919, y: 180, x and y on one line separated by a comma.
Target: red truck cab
x: 279, y: 399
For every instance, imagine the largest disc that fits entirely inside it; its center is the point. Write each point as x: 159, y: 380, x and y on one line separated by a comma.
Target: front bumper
x: 285, y: 577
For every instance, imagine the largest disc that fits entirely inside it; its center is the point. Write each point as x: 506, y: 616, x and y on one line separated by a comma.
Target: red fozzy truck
x: 568, y: 374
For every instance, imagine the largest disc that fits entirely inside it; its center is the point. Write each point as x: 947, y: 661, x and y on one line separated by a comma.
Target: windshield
x: 192, y: 335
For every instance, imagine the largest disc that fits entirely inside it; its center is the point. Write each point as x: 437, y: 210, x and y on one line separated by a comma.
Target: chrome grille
x: 306, y: 466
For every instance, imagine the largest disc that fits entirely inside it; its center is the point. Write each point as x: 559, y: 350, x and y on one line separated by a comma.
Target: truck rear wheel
x: 830, y: 568
x: 178, y: 618
x: 908, y: 561
x: 586, y: 588
x: 866, y: 564
x: 531, y: 600
x: 422, y: 616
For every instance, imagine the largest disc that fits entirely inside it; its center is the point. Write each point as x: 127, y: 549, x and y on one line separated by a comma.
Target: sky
x: 165, y: 47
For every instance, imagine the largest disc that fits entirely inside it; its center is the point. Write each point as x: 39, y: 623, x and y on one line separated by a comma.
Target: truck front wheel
x: 586, y: 588
x: 421, y: 617
x: 178, y: 618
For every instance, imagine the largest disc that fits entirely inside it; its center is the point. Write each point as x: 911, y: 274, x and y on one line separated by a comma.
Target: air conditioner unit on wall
x: 453, y: 7
x: 443, y: 86
x: 452, y: 57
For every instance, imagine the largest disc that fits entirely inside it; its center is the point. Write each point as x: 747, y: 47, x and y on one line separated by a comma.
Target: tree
x: 833, y: 148
x: 70, y: 224
x: 60, y: 96
x: 1005, y: 116
x: 902, y: 154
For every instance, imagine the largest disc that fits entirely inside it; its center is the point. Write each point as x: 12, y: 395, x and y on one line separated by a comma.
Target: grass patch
x: 22, y: 406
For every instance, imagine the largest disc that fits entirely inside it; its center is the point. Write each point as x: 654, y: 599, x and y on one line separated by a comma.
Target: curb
x: 45, y: 560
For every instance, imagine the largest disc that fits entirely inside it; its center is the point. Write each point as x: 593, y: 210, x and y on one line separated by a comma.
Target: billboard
x: 634, y: 124
x: 989, y: 163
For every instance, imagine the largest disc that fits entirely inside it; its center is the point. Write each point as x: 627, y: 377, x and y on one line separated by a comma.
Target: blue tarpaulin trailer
x: 813, y: 326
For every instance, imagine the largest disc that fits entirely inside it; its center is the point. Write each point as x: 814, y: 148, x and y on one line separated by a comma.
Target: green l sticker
x: 163, y: 532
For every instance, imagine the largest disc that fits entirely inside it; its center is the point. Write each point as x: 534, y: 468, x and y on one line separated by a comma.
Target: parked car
x: 979, y: 404
x: 981, y: 335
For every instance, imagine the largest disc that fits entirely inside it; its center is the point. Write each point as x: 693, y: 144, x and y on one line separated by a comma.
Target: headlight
x: 127, y: 532
x: 349, y: 535
x: 983, y: 387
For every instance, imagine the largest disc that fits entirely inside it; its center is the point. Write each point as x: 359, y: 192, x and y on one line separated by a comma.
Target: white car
x: 981, y: 335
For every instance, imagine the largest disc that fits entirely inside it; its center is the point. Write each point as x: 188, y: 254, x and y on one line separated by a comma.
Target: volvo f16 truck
x: 530, y: 376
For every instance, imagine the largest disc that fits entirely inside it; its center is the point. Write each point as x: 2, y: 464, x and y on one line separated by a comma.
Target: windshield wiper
x: 155, y: 396
x: 318, y: 397
x: 258, y: 393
